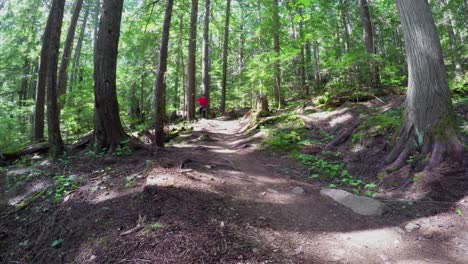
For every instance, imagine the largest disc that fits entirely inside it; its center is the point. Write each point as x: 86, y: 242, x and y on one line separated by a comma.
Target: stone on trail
x: 410, y: 227
x: 160, y: 180
x: 298, y: 190
x: 360, y: 205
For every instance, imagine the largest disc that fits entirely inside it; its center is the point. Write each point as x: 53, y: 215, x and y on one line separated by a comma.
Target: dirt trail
x: 216, y: 197
x: 265, y: 191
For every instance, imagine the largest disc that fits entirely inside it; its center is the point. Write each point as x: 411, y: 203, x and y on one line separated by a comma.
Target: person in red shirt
x: 203, y: 101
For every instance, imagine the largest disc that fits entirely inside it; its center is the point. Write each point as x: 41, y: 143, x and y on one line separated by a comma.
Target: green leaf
x: 56, y: 243
x: 459, y: 212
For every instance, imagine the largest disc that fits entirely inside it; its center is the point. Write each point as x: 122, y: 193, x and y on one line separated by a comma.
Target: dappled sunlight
x: 339, y: 120
x: 326, y: 115
x: 32, y: 189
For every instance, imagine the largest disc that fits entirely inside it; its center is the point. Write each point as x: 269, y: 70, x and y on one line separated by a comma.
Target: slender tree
x: 108, y: 130
x: 159, y: 85
x: 67, y: 50
x: 430, y: 120
x: 276, y: 49
x: 53, y: 111
x: 368, y: 35
x: 206, y: 54
x: 78, y: 48
x: 225, y: 57
x: 191, y: 67
x: 41, y: 83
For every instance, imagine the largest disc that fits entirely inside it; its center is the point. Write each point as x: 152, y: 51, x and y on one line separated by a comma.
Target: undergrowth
x: 287, y: 133
x: 379, y: 124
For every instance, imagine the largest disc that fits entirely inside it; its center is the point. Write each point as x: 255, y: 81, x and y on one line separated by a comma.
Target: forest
x: 233, y: 131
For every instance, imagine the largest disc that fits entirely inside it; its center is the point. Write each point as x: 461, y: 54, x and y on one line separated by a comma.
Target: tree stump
x: 262, y: 104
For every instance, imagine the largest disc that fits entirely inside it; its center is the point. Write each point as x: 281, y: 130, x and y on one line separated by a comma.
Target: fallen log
x: 33, y: 149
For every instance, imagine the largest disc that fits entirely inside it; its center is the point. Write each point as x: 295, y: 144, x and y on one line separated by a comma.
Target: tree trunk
x: 159, y: 86
x: 77, y: 55
x: 448, y: 17
x: 67, y: 49
x: 276, y: 49
x: 430, y: 120
x: 53, y: 111
x: 108, y: 129
x: 368, y: 35
x: 317, y: 65
x: 133, y: 100
x: 97, y: 11
x: 41, y: 84
x: 304, y: 87
x: 344, y: 25
x: 225, y: 57
x: 141, y: 103
x: 206, y: 55
x: 191, y: 67
x: 24, y: 84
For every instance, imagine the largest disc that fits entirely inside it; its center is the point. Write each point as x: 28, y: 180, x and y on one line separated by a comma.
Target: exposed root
x: 343, y: 135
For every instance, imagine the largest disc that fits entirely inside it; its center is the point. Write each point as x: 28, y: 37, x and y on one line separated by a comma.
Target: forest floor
x: 213, y: 196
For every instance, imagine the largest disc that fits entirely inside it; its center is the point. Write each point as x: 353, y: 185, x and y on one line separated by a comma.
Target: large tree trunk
x: 206, y: 55
x: 225, y: 57
x: 159, y: 86
x: 276, y: 49
x: 41, y: 84
x: 53, y: 111
x: 368, y: 35
x: 67, y: 49
x: 108, y: 129
x: 430, y: 120
x: 191, y: 65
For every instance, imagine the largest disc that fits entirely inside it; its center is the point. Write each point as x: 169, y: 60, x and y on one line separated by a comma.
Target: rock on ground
x: 359, y: 204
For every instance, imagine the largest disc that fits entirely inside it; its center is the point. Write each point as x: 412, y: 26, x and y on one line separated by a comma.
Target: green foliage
x: 130, y: 181
x: 381, y: 122
x: 283, y: 141
x: 62, y: 186
x: 56, y: 243
x: 459, y: 212
x: 333, y: 172
x: 123, y: 149
x: 156, y: 226
x: 384, y: 124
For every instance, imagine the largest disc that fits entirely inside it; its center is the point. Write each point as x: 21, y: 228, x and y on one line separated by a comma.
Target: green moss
x: 356, y: 137
x: 381, y: 122
x: 418, y: 177
x: 445, y: 124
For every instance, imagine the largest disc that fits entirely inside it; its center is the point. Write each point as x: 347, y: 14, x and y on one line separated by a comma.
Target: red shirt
x: 203, y: 101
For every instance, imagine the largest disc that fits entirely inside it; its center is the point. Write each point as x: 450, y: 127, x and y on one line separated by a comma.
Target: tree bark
x: 430, y: 120
x: 368, y: 35
x: 454, y: 47
x: 206, y: 65
x: 317, y: 65
x: 24, y: 84
x: 276, y: 49
x: 304, y: 87
x: 108, y: 130
x: 191, y: 65
x: 53, y: 111
x: 159, y: 86
x: 41, y: 84
x: 67, y: 50
x: 77, y: 54
x: 225, y: 57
